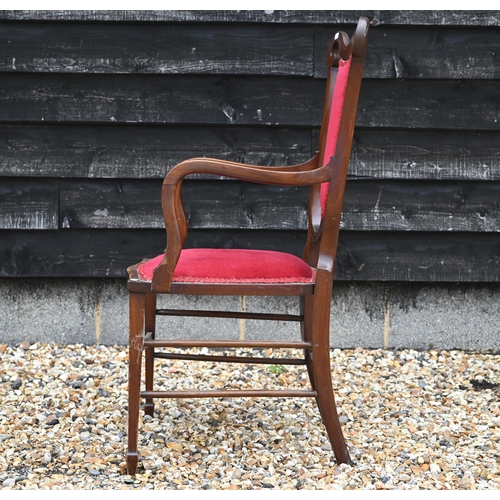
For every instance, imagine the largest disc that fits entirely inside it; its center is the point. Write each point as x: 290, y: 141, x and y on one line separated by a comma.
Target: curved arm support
x: 241, y: 171
x: 173, y: 212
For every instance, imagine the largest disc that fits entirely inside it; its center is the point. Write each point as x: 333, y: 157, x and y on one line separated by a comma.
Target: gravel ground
x: 412, y: 420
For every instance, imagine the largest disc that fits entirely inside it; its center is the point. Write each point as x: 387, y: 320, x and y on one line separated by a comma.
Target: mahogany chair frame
x: 320, y: 253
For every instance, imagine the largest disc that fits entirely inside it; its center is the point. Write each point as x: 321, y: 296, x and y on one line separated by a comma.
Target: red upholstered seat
x: 213, y: 265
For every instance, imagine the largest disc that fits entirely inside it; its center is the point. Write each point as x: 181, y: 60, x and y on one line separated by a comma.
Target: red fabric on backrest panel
x: 221, y: 265
x: 336, y: 109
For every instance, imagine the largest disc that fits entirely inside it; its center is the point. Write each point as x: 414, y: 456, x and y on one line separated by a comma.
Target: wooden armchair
x: 202, y: 271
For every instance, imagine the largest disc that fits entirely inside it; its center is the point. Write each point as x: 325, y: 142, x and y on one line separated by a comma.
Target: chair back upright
x: 345, y: 60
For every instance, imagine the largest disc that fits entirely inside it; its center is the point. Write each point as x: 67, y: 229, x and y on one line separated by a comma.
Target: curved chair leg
x: 319, y: 318
x: 150, y: 357
x: 326, y: 404
x: 137, y: 326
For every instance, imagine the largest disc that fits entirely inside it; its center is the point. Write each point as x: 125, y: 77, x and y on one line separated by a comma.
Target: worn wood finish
x: 29, y: 204
x: 140, y: 151
x: 156, y: 49
x: 405, y: 17
x: 149, y: 152
x: 427, y: 257
x: 250, y: 49
x: 430, y: 104
x: 426, y: 154
x: 178, y: 99
x: 208, y: 204
x: 136, y: 334
x: 422, y: 206
x: 243, y: 100
x: 370, y: 205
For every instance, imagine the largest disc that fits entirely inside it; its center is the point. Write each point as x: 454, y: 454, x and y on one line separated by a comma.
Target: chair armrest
x: 173, y: 211
x: 241, y: 171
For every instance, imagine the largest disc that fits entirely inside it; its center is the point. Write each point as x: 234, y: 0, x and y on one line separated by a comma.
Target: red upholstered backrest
x: 336, y: 108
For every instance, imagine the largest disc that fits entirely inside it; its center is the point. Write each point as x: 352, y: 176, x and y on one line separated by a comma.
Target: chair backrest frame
x: 324, y: 223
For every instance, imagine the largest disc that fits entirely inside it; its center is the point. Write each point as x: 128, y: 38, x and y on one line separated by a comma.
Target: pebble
x: 412, y: 420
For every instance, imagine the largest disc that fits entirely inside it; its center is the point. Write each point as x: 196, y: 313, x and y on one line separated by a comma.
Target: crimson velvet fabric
x: 334, y: 122
x: 213, y: 265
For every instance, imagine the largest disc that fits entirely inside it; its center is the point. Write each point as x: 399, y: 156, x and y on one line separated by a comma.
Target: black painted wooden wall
x: 97, y: 106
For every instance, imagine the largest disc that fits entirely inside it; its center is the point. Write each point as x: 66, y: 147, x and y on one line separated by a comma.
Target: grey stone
x: 369, y: 315
x: 440, y: 316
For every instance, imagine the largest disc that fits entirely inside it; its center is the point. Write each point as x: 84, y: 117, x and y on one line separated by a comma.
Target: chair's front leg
x: 136, y: 341
x: 150, y: 356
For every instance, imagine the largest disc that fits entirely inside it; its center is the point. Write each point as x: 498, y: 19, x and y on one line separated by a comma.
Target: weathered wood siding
x: 97, y: 106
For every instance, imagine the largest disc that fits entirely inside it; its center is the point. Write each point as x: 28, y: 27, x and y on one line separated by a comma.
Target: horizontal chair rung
x: 230, y: 359
x: 224, y: 314
x: 284, y: 393
x: 264, y: 344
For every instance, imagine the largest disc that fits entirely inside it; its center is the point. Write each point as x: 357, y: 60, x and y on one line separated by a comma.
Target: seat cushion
x: 213, y: 265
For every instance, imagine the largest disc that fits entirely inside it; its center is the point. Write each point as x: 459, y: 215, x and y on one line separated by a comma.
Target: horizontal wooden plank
x: 135, y: 151
x: 171, y: 49
x: 362, y: 256
x: 103, y: 253
x: 29, y: 203
x: 430, y: 104
x: 208, y: 204
x: 426, y: 17
x: 395, y: 256
x: 446, y: 53
x: 249, y: 100
x: 377, y: 205
x: 138, y: 151
x: 425, y: 154
x: 177, y: 99
x: 423, y: 52
x: 421, y: 206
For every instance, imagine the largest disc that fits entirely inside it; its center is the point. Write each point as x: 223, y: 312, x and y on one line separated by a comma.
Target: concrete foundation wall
x: 371, y: 315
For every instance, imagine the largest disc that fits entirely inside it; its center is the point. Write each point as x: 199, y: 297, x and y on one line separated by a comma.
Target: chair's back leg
x: 306, y: 304
x: 150, y: 356
x: 319, y: 312
x: 136, y: 340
